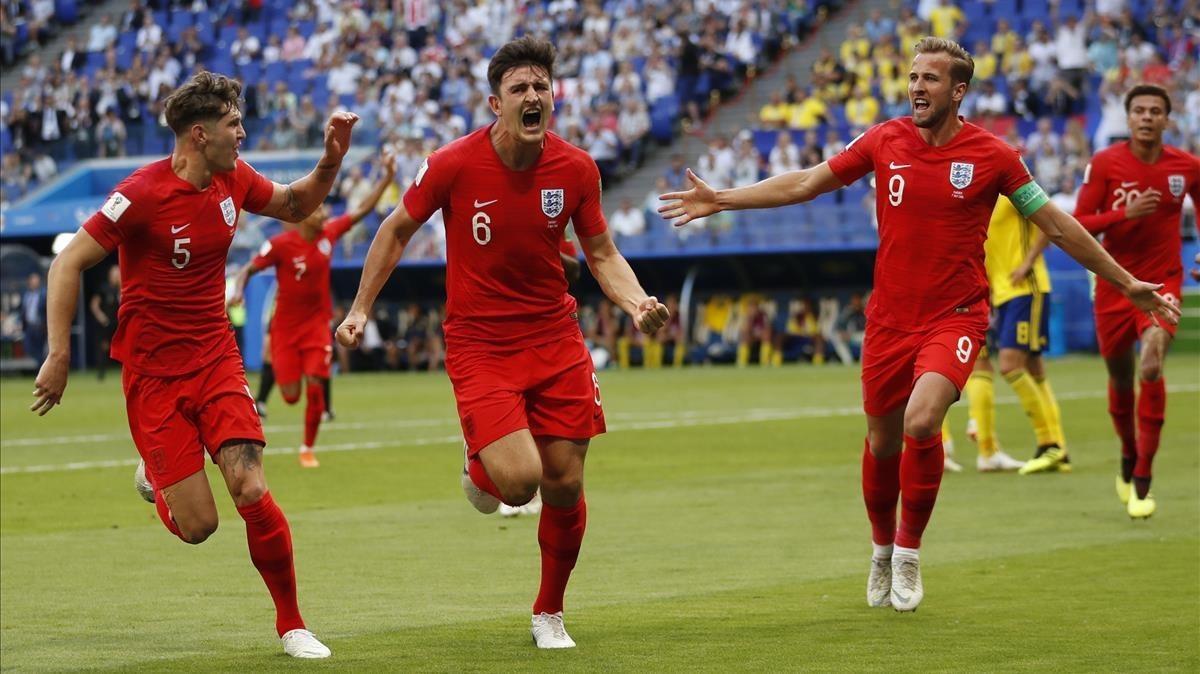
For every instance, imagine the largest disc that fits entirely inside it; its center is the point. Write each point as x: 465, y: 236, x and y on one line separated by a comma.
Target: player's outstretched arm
x: 62, y: 292
x: 382, y: 257
x: 617, y: 280
x: 1065, y: 231
x: 295, y: 201
x: 387, y: 171
x: 702, y: 200
x: 239, y: 283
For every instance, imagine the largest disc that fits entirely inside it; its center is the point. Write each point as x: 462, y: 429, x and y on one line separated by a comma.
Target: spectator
x: 293, y: 45
x: 245, y: 47
x: 849, y: 329
x: 989, y: 102
x: 833, y: 144
x: 71, y: 59
x: 149, y: 36
x: 878, y: 27
x: 632, y: 126
x: 775, y: 114
x: 102, y: 35
x: 1139, y: 53
x: 103, y: 306
x: 110, y: 135
x: 810, y: 151
x: 660, y: 79
x: 273, y: 52
x: 1044, y: 136
x: 1070, y: 43
x: 785, y: 156
x: 628, y: 220
x: 343, y: 76
x: 947, y: 20
x: 33, y: 319
x: 747, y: 167
x: 862, y: 109
x: 809, y: 113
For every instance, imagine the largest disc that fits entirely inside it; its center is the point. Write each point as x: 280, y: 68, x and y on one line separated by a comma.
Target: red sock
x: 881, y: 489
x: 270, y: 542
x: 560, y: 534
x: 313, y: 411
x: 1120, y: 408
x: 480, y: 477
x: 921, y: 465
x: 164, y: 514
x: 1151, y: 409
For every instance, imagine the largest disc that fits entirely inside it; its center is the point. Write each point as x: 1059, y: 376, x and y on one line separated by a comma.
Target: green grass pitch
x: 726, y: 532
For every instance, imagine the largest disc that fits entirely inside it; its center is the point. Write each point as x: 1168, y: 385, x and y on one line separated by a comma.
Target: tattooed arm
x: 295, y: 201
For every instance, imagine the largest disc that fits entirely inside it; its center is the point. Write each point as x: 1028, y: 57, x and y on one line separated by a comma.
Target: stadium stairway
x: 88, y: 14
x: 742, y: 112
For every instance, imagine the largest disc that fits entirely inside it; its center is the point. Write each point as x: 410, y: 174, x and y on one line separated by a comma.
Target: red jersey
x: 302, y: 271
x: 1150, y: 248
x: 504, y: 277
x: 173, y: 241
x: 933, y: 205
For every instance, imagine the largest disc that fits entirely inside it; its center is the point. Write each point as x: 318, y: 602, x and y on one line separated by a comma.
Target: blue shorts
x: 1021, y: 323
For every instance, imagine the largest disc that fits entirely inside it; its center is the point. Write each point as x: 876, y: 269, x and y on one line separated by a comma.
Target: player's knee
x: 195, y: 530
x: 291, y: 395
x: 564, y: 487
x: 247, y: 492
x: 520, y: 491
x: 1150, y: 369
x: 883, y: 445
x: 922, y: 423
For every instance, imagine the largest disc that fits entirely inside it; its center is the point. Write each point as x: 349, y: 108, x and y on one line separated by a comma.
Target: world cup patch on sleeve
x: 116, y: 206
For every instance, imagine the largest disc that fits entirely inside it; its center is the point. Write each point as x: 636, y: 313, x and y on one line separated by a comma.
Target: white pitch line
x: 686, y: 419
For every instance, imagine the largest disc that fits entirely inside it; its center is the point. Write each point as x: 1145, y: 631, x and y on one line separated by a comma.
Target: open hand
x: 337, y: 133
x: 1145, y: 296
x: 683, y: 207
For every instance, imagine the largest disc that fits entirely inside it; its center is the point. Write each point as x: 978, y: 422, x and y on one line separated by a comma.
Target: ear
x: 198, y: 134
x: 960, y: 92
x: 494, y: 104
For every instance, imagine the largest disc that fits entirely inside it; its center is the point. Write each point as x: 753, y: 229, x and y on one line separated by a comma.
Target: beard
x: 933, y: 117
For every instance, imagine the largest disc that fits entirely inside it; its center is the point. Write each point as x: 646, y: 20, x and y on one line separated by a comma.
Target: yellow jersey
x: 1009, y: 238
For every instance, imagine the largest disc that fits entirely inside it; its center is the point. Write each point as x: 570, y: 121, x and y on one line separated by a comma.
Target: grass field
x: 726, y: 532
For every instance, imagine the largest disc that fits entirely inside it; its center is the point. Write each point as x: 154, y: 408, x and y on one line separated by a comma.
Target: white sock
x: 911, y: 553
x: 881, y: 551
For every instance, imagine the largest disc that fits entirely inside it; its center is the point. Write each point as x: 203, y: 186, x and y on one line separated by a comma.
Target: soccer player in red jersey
x: 1133, y: 194
x: 939, y: 178
x: 301, y: 342
x: 528, y: 397
x: 185, y: 392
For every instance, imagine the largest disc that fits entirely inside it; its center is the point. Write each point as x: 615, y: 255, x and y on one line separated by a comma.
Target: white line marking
x: 684, y: 419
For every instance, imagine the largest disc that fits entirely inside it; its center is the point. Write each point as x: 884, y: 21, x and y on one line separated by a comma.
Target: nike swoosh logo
x: 895, y: 166
x: 481, y: 204
x: 1131, y: 183
x: 903, y: 598
x: 176, y: 230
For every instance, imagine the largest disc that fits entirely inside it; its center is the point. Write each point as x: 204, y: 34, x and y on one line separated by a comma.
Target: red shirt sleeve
x: 266, y: 257
x: 336, y: 227
x: 126, y: 211
x: 1091, y: 199
x: 430, y: 189
x: 1014, y: 174
x: 258, y: 189
x: 858, y: 159
x: 589, y: 216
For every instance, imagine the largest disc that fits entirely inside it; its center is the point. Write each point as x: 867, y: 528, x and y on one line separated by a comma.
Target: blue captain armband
x: 1029, y: 198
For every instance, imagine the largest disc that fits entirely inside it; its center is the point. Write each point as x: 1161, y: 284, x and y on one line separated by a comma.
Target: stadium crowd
x: 412, y: 70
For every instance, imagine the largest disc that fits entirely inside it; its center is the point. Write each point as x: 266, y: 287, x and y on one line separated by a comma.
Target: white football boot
x: 483, y: 501
x: 302, y: 644
x: 997, y: 463
x: 879, y: 583
x: 907, y: 589
x: 549, y: 632
x: 142, y: 484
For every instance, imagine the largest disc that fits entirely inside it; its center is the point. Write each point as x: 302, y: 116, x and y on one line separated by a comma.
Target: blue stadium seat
x: 66, y: 11
x: 275, y: 72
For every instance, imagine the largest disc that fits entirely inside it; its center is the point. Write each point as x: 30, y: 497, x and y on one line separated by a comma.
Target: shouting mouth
x: 920, y: 104
x: 531, y: 120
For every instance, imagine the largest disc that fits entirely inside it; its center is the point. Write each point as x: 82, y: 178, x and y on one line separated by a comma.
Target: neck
x: 1148, y: 152
x: 190, y: 166
x: 310, y: 233
x: 514, y: 154
x: 944, y: 132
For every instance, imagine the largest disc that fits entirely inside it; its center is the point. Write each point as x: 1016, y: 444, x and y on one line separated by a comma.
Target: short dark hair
x: 962, y: 66
x: 1147, y: 90
x: 205, y: 97
x: 525, y: 51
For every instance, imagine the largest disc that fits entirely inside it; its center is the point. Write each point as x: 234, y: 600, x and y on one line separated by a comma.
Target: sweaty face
x: 525, y: 103
x: 222, y: 140
x: 931, y: 92
x: 1147, y: 119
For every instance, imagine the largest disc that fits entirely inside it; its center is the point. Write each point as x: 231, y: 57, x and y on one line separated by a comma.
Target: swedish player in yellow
x: 1020, y: 287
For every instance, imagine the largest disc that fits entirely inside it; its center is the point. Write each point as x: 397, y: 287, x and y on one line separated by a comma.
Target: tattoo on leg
x: 241, y: 454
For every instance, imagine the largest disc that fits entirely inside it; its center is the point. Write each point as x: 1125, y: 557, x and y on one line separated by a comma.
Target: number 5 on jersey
x: 176, y: 260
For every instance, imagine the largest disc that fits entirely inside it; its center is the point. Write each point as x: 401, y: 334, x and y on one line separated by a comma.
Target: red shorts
x: 893, y: 360
x: 175, y: 419
x: 550, y: 389
x: 296, y: 352
x: 1119, y: 324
